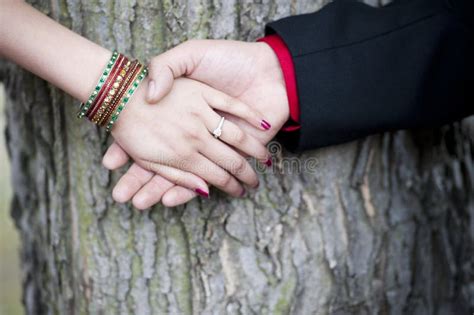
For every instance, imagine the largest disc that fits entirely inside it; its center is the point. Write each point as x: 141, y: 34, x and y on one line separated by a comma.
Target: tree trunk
x: 384, y: 225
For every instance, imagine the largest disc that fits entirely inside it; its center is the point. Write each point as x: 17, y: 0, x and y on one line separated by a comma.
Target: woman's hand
x: 249, y: 72
x: 174, y: 137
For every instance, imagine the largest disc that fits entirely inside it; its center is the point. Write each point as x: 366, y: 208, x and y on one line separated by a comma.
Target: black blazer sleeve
x: 362, y: 70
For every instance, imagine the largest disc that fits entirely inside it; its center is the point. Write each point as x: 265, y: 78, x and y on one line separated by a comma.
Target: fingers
x: 236, y: 137
x: 115, y: 157
x: 160, y: 82
x: 164, y: 68
x: 181, y: 178
x: 215, y: 175
x: 176, y: 196
x: 228, y: 159
x: 151, y: 193
x: 231, y: 105
x: 130, y: 183
x: 146, y: 189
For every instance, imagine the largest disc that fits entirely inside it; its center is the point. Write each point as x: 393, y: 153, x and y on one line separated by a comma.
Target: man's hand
x: 249, y: 72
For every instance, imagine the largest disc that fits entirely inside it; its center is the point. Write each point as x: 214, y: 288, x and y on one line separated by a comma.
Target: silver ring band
x: 218, y: 131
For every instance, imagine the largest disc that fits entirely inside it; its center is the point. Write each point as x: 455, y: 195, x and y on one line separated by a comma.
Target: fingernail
x: 151, y: 89
x: 268, y: 162
x: 202, y: 193
x: 243, y: 193
x: 265, y: 124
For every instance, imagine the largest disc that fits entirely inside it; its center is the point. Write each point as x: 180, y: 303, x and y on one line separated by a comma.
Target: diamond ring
x: 218, y: 131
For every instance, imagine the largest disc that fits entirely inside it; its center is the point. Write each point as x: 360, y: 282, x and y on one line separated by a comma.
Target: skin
x: 179, y: 146
x: 174, y: 136
x: 250, y: 72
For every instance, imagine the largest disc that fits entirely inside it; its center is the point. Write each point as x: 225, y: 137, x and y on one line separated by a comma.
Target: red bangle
x: 111, y: 93
x: 106, y: 87
x: 133, y: 70
x: 116, y: 85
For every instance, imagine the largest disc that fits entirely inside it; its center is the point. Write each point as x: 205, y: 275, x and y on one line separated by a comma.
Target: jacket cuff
x: 288, y: 69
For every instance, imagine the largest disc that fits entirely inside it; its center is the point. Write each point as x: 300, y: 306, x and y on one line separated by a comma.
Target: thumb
x: 160, y: 81
x: 115, y: 157
x: 172, y: 64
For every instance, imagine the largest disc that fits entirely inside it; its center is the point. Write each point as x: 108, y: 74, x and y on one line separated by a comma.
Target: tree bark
x: 383, y: 225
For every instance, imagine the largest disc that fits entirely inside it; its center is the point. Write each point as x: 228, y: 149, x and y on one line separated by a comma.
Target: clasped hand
x: 167, y: 128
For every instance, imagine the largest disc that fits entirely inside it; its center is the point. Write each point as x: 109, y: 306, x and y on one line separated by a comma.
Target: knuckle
x: 229, y: 102
x: 250, y: 114
x: 239, y: 136
x: 179, y: 179
x: 179, y: 154
x: 239, y: 166
x: 193, y: 133
x: 224, y: 180
x: 262, y: 154
x: 195, y: 112
x: 186, y: 154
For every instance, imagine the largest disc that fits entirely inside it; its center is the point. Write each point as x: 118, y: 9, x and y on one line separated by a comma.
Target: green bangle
x: 85, y: 106
x: 126, y: 98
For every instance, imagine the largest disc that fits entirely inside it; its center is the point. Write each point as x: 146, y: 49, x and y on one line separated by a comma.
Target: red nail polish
x: 265, y: 124
x: 202, y: 193
x: 269, y: 162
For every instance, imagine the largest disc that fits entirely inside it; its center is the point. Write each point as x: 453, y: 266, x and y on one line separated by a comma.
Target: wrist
x: 131, y: 112
x: 117, y: 84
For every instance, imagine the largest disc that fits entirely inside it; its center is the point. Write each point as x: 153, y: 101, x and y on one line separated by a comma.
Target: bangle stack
x: 119, y: 80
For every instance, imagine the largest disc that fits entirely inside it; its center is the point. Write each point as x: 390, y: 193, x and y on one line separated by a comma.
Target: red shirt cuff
x: 286, y: 62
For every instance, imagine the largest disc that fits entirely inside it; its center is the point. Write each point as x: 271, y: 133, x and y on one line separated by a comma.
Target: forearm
x: 48, y: 49
x: 362, y: 70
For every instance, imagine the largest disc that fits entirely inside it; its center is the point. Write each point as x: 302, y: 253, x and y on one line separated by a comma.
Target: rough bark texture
x: 384, y: 225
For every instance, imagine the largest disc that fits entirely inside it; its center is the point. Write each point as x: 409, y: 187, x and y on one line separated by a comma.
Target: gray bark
x: 384, y: 225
